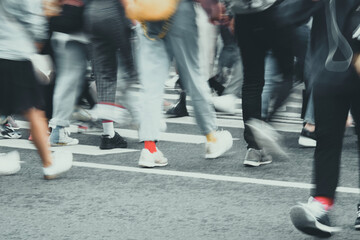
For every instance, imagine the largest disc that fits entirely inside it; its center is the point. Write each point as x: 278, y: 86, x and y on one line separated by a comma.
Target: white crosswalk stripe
x: 77, y: 149
x: 284, y: 120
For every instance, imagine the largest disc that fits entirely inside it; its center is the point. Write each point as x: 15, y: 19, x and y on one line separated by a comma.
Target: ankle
x: 310, y: 127
x: 325, y: 201
x: 211, y: 137
x: 150, y: 145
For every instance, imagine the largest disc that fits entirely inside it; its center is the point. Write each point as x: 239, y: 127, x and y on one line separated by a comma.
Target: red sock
x: 151, y: 146
x: 327, y: 202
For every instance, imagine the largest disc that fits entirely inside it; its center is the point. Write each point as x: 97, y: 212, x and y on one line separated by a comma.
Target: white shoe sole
x: 306, y: 142
x: 218, y: 154
x: 11, y: 172
x: 64, y: 144
x: 251, y: 163
x: 357, y: 227
x: 151, y: 165
x: 305, y: 222
x: 255, y: 164
x: 214, y: 155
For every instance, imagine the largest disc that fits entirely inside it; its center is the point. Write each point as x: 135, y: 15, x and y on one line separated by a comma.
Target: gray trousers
x: 181, y: 43
x: 71, y: 63
x: 110, y: 35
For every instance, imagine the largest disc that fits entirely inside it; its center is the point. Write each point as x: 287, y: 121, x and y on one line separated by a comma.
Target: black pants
x: 256, y: 35
x: 333, y: 97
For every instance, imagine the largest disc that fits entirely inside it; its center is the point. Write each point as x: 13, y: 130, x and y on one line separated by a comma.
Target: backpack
x: 250, y: 6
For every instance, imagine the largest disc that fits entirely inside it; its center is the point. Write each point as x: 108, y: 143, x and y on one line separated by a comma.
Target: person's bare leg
x: 356, y: 61
x: 310, y: 127
x: 39, y: 132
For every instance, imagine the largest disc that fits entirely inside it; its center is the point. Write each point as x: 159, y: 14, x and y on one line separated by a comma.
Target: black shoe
x: 357, y: 221
x: 109, y: 143
x: 179, y: 109
x: 307, y: 138
x: 9, y: 133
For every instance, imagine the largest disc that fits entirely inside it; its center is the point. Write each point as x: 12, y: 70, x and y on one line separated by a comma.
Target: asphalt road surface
x: 106, y: 196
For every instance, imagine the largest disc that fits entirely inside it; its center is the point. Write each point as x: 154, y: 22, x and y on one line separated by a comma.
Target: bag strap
x: 336, y: 41
x: 164, y: 30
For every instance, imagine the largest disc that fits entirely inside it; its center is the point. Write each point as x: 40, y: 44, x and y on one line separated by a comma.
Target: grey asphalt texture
x: 88, y: 203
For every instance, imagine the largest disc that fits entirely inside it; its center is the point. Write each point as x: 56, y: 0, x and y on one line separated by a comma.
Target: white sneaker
x: 225, y: 103
x: 151, y: 160
x: 223, y: 143
x: 60, y: 136
x: 61, y: 162
x: 9, y: 163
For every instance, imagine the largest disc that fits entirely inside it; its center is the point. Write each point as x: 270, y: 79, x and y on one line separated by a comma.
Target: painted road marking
x: 231, y: 123
x: 164, y: 136
x: 76, y: 149
x: 284, y: 126
x: 213, y: 177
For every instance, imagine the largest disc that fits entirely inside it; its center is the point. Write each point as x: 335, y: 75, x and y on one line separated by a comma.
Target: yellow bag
x: 150, y: 10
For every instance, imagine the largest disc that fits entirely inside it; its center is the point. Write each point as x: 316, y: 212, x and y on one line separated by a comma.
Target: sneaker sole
x: 216, y: 155
x: 161, y: 164
x: 255, y: 164
x: 148, y: 165
x: 10, y: 172
x: 51, y: 177
x: 357, y: 227
x: 9, y: 137
x: 62, y: 144
x: 305, y: 222
x: 109, y: 148
x: 251, y: 163
x: 306, y: 142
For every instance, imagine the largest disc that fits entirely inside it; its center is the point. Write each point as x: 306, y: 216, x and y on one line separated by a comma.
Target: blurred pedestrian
x: 335, y: 88
x: 161, y: 41
x: 23, y: 29
x: 111, y: 48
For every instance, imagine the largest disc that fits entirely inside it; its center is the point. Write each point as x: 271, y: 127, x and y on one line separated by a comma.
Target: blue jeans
x: 71, y: 63
x: 180, y: 43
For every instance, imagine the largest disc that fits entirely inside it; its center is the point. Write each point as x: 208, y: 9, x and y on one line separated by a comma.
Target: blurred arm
x: 30, y: 14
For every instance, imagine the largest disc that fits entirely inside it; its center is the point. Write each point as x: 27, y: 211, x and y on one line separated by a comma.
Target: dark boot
x: 179, y: 108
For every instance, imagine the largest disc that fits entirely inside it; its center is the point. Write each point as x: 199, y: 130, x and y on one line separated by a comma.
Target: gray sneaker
x: 255, y: 158
x: 266, y: 136
x: 311, y: 218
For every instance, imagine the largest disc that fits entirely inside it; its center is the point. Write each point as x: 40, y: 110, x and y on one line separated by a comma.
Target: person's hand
x: 51, y: 8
